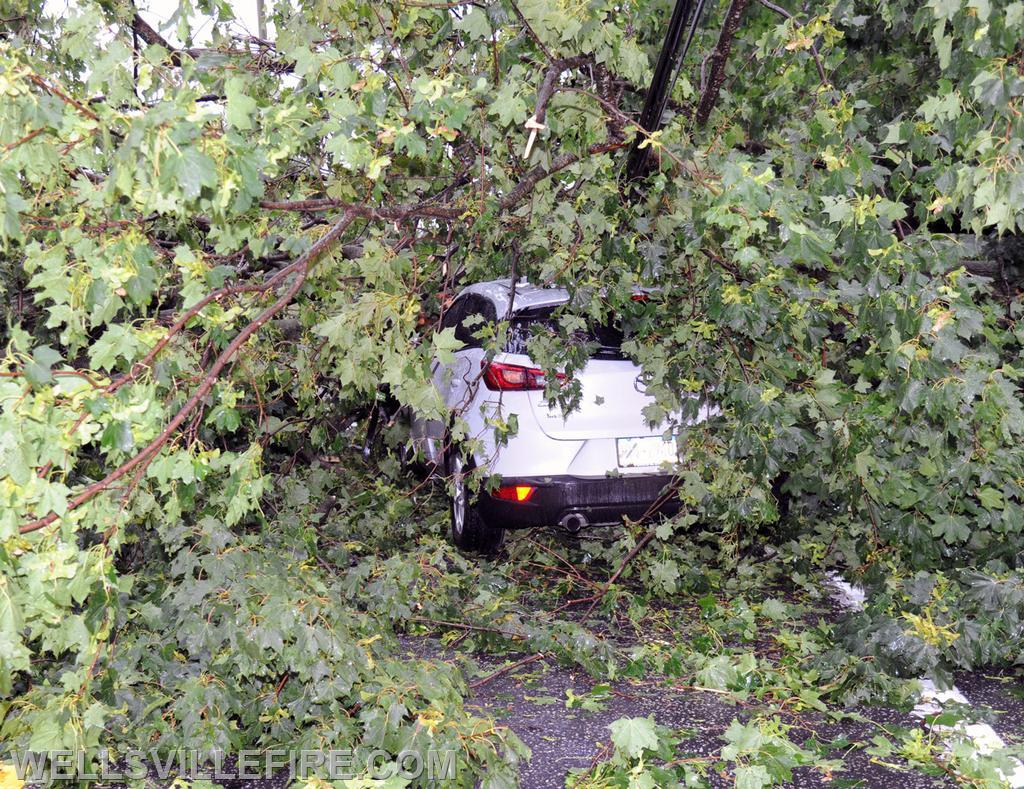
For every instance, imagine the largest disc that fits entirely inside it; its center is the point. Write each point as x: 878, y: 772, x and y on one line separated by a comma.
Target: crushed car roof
x: 526, y: 294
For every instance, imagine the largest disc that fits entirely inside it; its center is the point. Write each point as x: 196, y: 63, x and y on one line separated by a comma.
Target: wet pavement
x: 999, y: 698
x: 532, y: 701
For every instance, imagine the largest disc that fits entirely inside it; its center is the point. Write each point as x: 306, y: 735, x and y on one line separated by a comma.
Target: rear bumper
x: 600, y: 500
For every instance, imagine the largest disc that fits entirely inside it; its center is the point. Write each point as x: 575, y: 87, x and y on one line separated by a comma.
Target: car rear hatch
x: 613, y: 395
x: 611, y: 405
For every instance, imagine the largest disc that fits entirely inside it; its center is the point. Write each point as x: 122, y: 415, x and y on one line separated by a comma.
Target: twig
x: 31, y: 135
x: 506, y: 669
x: 575, y: 570
x: 560, y: 162
x: 445, y: 210
x: 814, y: 50
x: 577, y: 601
x: 186, y: 316
x: 530, y: 30
x: 55, y: 91
x: 463, y: 626
x: 615, y: 576
x: 636, y: 549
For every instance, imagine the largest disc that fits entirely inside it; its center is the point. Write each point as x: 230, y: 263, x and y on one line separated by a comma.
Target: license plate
x: 645, y: 451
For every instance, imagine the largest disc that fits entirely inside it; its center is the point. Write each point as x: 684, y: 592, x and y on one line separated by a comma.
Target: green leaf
x: 192, y: 171
x: 632, y: 736
x: 445, y: 344
x: 775, y: 609
x: 991, y: 499
x: 10, y: 615
x: 118, y: 435
x: 665, y: 573
x: 718, y: 673
x: 47, y: 732
x: 752, y: 776
x: 117, y: 342
x: 38, y: 372
x: 1014, y: 15
x: 11, y: 206
x: 742, y: 738
x: 951, y: 528
x: 474, y: 24
x: 241, y: 106
x: 943, y: 45
x: 982, y: 7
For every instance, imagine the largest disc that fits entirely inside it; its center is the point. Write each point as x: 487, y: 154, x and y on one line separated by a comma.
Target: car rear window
x: 606, y: 339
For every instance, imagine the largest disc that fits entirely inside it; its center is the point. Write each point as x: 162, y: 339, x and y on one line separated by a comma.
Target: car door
x: 428, y: 434
x: 457, y: 381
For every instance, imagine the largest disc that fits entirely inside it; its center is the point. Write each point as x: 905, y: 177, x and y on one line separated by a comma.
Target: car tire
x: 469, y: 530
x: 783, y: 498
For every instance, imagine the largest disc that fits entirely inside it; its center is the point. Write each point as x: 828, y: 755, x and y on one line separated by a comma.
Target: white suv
x: 600, y: 462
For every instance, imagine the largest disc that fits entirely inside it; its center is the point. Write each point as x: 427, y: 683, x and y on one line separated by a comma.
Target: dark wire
x: 694, y: 24
x: 666, y: 72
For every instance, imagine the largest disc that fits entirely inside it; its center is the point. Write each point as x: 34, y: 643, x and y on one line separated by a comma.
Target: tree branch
x: 719, y: 57
x: 506, y: 669
x: 547, y: 87
x: 442, y: 210
x: 147, y: 33
x: 530, y: 30
x: 55, y: 91
x: 395, y: 212
x: 814, y: 50
x: 301, y: 268
x: 560, y: 162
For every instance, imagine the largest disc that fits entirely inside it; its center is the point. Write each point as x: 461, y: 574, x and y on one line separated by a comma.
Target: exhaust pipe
x: 573, y: 522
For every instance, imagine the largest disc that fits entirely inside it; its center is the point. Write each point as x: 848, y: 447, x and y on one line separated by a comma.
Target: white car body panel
x: 582, y: 443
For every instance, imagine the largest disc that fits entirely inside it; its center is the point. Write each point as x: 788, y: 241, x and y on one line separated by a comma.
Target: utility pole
x: 672, y: 53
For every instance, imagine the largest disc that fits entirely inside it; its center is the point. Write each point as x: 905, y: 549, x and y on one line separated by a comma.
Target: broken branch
x: 143, y: 458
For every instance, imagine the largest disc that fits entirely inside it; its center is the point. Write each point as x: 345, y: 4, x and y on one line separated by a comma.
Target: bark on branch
x: 147, y: 33
x: 719, y: 57
x: 548, y: 86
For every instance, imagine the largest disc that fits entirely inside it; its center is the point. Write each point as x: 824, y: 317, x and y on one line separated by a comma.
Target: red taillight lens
x: 501, y: 377
x: 518, y: 493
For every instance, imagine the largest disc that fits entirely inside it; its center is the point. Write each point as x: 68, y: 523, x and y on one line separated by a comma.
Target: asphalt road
x: 562, y: 739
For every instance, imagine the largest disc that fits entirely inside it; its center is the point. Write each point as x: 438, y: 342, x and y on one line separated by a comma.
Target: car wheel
x: 469, y: 530
x: 783, y: 498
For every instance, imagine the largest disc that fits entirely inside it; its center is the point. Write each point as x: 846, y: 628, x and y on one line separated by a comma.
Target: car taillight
x: 518, y: 493
x: 501, y: 377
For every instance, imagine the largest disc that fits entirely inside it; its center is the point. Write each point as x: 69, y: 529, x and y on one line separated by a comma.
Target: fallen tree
x: 216, y: 257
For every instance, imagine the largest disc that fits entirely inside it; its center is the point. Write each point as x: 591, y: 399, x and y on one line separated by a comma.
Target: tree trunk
x: 719, y: 58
